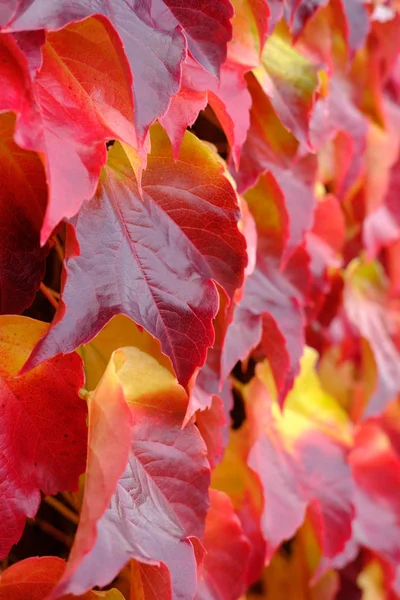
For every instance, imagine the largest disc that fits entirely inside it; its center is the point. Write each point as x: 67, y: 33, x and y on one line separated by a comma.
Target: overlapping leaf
x: 75, y: 106
x: 43, y: 426
x: 142, y: 256
x: 377, y: 506
x: 229, y: 99
x: 271, y: 308
x: 156, y: 31
x: 354, y: 19
x: 290, y: 80
x: 34, y: 578
x: 270, y: 147
x: 250, y: 29
x: 301, y: 459
x: 373, y: 314
x: 223, y: 573
x: 155, y: 261
x: 234, y: 477
x: 146, y: 481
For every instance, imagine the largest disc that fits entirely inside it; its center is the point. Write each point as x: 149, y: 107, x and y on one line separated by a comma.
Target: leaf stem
x: 58, y: 248
x: 62, y: 509
x: 70, y: 500
x: 50, y: 530
x: 49, y: 294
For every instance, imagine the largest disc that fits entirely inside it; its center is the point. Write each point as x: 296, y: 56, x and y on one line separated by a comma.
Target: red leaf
x: 23, y: 196
x: 160, y: 499
x: 235, y: 478
x: 382, y: 226
x: 209, y: 381
x: 207, y: 29
x: 17, y: 93
x: 229, y: 99
x: 273, y: 295
x: 150, y: 582
x: 34, y: 578
x: 213, y: 428
x: 250, y: 29
x: 337, y: 113
x: 269, y: 147
x: 374, y: 316
x: 144, y: 257
x: 150, y: 30
x: 222, y: 575
x: 300, y: 456
x: 373, y: 461
x: 43, y: 429
x: 84, y: 71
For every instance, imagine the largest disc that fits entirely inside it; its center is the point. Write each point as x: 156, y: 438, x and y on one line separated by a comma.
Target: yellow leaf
x: 120, y: 331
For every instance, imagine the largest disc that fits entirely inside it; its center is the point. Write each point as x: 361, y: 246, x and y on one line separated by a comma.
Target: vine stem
x: 62, y: 509
x: 70, y: 500
x: 58, y: 248
x: 49, y: 295
x: 50, y: 530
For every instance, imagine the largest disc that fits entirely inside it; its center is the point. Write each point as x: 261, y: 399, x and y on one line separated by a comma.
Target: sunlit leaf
x: 34, y: 578
x: 146, y: 478
x: 290, y: 80
x: 141, y: 256
x: 300, y: 456
x: 84, y: 72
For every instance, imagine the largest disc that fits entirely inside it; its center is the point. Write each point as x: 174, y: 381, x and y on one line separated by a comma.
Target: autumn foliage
x: 200, y: 299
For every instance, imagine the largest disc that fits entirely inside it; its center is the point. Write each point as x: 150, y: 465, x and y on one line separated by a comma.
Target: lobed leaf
x: 143, y: 257
x: 271, y: 308
x: 146, y: 490
x: 43, y: 428
x: 156, y: 31
x: 74, y: 80
x: 301, y: 459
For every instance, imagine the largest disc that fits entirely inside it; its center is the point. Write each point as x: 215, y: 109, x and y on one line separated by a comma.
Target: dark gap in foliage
x: 41, y: 308
x: 245, y: 374
x: 258, y: 589
x: 38, y: 538
x: 238, y: 412
x: 286, y: 548
x: 208, y: 128
x: 349, y: 589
